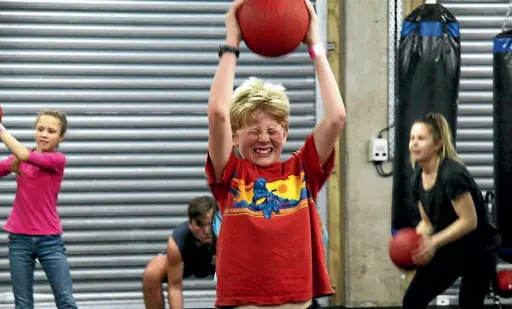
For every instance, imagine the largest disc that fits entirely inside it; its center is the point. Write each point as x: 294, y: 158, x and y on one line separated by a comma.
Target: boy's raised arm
x: 220, y: 144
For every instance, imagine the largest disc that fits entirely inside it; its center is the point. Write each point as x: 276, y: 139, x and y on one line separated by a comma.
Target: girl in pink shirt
x: 34, y: 224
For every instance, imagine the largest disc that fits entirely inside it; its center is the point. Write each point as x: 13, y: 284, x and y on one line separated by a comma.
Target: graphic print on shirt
x: 264, y: 198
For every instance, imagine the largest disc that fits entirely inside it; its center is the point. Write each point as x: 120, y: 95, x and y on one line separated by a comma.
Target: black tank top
x: 197, y: 259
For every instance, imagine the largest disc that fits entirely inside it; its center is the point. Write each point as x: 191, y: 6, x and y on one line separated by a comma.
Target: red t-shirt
x: 270, y: 249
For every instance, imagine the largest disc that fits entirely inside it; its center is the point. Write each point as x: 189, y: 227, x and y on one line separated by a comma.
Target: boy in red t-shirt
x: 270, y: 249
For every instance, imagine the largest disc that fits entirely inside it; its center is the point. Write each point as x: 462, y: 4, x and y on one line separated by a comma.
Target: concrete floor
x: 195, y: 304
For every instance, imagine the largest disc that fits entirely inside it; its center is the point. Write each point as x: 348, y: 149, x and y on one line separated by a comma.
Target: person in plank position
x: 190, y: 252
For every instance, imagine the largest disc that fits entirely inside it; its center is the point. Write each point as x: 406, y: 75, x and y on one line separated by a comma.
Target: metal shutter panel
x: 134, y: 78
x: 474, y: 132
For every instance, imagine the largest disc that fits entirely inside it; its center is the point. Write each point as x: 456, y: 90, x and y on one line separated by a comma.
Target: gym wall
x: 371, y: 279
x: 134, y: 79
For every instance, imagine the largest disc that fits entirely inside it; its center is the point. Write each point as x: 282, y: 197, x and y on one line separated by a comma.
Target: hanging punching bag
x: 502, y: 115
x: 428, y: 70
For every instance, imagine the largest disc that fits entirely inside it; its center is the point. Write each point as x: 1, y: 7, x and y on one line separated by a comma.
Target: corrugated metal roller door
x: 134, y: 78
x: 480, y: 21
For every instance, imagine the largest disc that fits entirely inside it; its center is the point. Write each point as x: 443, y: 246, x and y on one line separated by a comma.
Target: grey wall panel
x: 479, y: 22
x: 134, y: 78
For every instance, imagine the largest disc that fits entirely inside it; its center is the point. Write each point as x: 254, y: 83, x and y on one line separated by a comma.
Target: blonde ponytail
x: 441, y: 132
x: 445, y: 134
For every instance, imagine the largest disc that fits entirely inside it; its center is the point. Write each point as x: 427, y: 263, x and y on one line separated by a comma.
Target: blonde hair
x: 15, y: 164
x: 441, y: 131
x: 258, y: 95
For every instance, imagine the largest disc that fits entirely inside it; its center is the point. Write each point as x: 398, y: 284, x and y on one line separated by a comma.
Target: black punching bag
x: 428, y: 70
x: 502, y: 135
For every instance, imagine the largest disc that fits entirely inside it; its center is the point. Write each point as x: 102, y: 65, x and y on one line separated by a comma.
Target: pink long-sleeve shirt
x: 34, y: 210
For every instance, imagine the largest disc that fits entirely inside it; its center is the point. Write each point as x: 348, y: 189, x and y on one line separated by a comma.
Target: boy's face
x: 262, y: 140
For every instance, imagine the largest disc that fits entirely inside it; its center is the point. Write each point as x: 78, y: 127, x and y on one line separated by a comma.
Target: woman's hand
x: 313, y: 35
x: 425, y: 252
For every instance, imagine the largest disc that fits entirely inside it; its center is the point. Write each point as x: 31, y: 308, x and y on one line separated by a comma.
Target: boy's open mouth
x: 263, y: 151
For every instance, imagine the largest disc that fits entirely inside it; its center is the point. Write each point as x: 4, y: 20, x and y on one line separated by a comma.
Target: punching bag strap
x: 437, y: 16
x: 417, y: 21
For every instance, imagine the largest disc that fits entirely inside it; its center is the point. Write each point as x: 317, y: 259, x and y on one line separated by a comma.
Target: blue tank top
x: 197, y: 259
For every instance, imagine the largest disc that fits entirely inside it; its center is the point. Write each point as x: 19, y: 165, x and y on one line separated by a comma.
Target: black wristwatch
x: 230, y: 49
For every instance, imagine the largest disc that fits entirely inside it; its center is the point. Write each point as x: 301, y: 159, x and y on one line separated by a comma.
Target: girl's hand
x: 313, y: 35
x: 234, y: 34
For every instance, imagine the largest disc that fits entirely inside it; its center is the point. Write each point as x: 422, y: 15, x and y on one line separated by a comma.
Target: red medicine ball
x: 273, y: 28
x: 504, y: 283
x: 401, y: 247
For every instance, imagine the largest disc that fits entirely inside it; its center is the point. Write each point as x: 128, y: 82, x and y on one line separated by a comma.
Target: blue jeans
x: 51, y: 254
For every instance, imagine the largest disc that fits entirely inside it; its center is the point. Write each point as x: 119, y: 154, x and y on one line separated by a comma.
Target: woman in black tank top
x: 458, y: 238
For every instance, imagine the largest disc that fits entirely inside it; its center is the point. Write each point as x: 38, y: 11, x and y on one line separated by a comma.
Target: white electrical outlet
x: 378, y: 150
